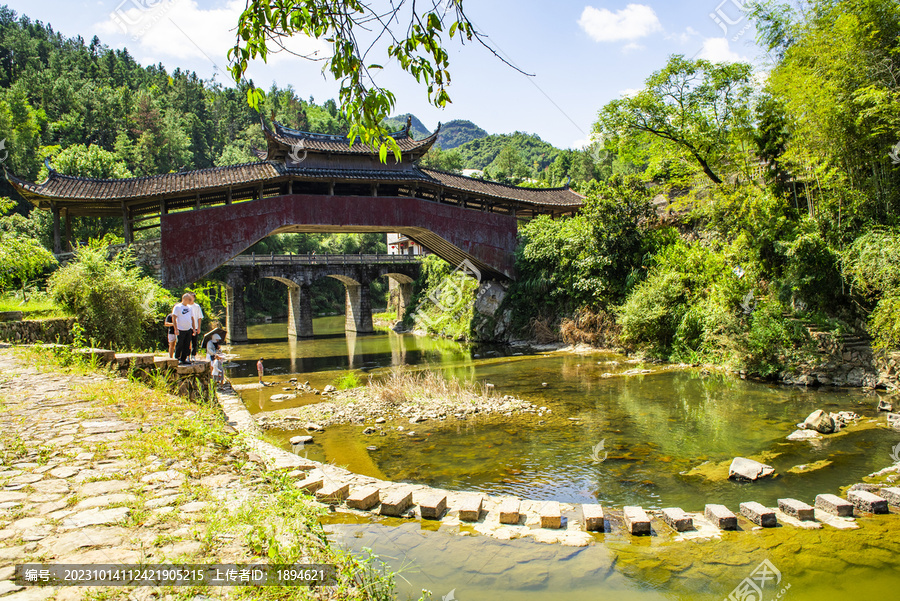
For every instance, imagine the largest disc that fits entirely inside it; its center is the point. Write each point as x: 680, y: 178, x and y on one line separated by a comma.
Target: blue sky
x: 582, y: 53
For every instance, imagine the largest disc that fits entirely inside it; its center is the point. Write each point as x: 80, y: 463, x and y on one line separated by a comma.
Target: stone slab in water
x: 834, y: 505
x: 509, y: 511
x: 721, y: 517
x: 747, y: 469
x: 333, y: 492
x: 593, y: 517
x: 551, y: 516
x: 797, y: 509
x: 433, y: 505
x: 310, y: 485
x: 677, y: 519
x: 636, y: 520
x: 759, y: 514
x: 866, y: 501
x: 892, y: 495
x: 301, y: 439
x: 364, y: 498
x: 470, y: 508
x: 396, y: 502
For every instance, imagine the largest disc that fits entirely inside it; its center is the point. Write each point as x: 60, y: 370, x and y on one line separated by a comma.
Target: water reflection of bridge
x: 298, y: 272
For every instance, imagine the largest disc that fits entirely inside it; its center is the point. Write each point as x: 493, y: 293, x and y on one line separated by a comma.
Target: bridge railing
x: 315, y: 259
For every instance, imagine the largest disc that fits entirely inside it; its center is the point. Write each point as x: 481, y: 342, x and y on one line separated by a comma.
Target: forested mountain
x: 457, y: 132
x: 508, y: 156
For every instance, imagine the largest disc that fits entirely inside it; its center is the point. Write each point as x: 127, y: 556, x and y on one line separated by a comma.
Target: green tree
x: 695, y: 108
x: 443, y: 160
x: 22, y: 258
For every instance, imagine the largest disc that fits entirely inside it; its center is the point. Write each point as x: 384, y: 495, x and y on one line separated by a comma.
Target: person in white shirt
x: 197, y: 313
x: 184, y: 328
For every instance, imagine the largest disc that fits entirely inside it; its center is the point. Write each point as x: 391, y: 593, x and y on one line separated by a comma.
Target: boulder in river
x: 884, y: 405
x: 820, y: 422
x: 328, y: 389
x: 301, y: 439
x: 743, y: 469
x: 314, y: 427
x: 804, y: 435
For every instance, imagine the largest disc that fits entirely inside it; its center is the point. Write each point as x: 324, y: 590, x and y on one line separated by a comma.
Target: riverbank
x: 98, y: 469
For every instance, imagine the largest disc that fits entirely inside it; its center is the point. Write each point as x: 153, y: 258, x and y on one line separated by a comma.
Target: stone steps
x: 402, y: 501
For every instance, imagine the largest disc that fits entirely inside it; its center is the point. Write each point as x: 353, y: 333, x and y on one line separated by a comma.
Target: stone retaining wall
x: 856, y: 365
x: 38, y: 330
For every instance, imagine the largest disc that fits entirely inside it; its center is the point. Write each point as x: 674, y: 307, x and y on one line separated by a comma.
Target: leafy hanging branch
x: 356, y: 29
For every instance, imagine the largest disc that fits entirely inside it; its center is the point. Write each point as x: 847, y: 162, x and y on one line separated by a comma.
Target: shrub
x: 117, y: 306
x: 443, y: 300
x: 884, y: 323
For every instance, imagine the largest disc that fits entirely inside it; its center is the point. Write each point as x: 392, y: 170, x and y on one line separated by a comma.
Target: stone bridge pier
x: 298, y: 274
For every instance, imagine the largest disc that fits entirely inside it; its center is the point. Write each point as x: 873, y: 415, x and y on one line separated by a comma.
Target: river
x: 618, y: 433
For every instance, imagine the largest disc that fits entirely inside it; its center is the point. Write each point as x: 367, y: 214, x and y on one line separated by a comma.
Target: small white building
x: 399, y: 244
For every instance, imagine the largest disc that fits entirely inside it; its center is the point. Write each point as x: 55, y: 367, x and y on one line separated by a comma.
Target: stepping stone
x: 759, y: 514
x: 193, y: 507
x: 551, y: 517
x: 721, y: 517
x: 797, y: 509
x: 96, y: 517
x: 364, y: 498
x: 470, y: 508
x: 334, y: 492
x: 834, y: 505
x: 593, y: 517
x: 433, y: 505
x: 167, y: 476
x: 396, y: 502
x: 311, y: 484
x: 103, y: 487
x: 9, y: 495
x: 509, y: 512
x: 866, y: 501
x: 636, y: 520
x: 104, y: 501
x: 677, y: 519
x: 64, y: 472
x: 892, y: 495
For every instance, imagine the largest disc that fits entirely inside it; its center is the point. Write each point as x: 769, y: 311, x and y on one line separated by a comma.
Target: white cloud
x: 684, y: 37
x: 718, y: 50
x: 180, y: 29
x: 632, y: 47
x: 629, y: 92
x: 632, y: 22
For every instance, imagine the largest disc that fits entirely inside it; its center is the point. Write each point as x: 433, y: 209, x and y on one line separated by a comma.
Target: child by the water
x: 218, y: 369
x: 259, y: 370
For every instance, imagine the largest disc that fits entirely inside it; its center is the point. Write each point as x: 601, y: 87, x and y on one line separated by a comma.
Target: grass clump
x: 401, y: 386
x: 347, y: 381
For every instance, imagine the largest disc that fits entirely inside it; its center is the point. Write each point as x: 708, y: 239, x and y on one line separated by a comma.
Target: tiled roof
x: 563, y: 197
x: 339, y: 144
x: 59, y: 186
x: 113, y: 191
